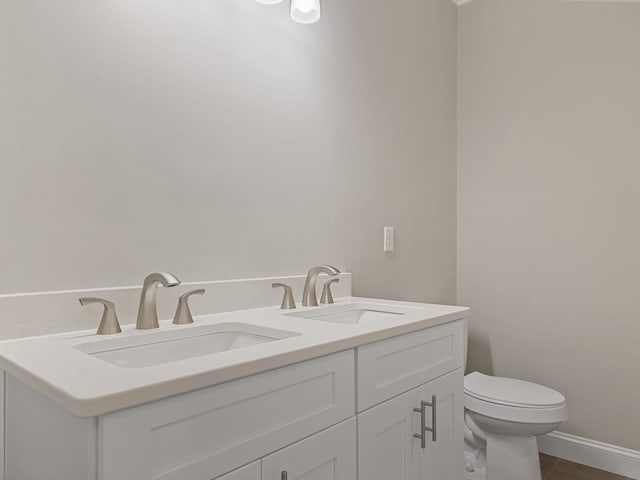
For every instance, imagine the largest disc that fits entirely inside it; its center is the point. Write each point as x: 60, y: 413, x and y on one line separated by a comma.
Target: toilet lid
x: 511, y: 392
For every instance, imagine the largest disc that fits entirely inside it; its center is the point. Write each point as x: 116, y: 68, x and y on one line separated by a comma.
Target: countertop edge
x: 93, y: 407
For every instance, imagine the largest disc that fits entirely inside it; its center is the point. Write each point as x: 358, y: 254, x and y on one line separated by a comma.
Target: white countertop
x: 88, y: 386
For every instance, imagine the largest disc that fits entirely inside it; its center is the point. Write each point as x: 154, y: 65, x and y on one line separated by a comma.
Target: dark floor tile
x: 564, y: 470
x: 547, y: 463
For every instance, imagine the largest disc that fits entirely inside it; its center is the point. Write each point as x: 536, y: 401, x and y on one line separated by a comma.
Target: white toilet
x: 503, y: 417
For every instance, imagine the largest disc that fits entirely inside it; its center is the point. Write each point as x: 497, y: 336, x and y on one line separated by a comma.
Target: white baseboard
x: 603, y: 456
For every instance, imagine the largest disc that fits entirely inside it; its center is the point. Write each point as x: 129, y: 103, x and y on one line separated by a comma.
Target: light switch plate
x: 389, y: 239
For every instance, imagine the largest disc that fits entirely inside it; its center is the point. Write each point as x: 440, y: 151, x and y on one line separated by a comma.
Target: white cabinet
x: 250, y: 472
x: 206, y: 433
x: 329, y: 455
x: 443, y: 459
x: 300, y: 419
x: 43, y: 440
x: 387, y: 444
x: 396, y: 365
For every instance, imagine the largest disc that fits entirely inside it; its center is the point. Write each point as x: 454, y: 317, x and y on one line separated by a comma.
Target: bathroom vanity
x: 362, y: 389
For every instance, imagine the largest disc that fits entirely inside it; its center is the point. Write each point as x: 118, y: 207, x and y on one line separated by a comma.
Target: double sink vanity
x: 359, y: 389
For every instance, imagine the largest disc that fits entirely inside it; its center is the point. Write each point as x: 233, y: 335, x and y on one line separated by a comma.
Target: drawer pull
x: 423, y: 421
x: 284, y: 475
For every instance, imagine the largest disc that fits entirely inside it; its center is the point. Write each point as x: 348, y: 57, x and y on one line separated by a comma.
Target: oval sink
x: 353, y: 313
x: 157, y: 348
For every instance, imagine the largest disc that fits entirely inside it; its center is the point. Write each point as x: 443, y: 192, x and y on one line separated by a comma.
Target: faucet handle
x: 109, y: 323
x: 288, y: 303
x: 183, y: 312
x: 327, y: 297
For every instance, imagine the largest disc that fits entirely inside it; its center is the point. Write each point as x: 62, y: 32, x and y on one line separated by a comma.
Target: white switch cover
x: 389, y: 234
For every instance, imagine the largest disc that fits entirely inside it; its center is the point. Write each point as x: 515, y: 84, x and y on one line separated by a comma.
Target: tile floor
x: 557, y: 469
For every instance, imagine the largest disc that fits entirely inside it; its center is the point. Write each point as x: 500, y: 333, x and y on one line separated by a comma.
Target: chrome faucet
x: 148, y: 310
x: 309, y: 298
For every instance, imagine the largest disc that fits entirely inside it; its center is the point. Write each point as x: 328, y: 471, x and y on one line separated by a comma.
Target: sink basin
x: 157, y: 348
x: 354, y: 313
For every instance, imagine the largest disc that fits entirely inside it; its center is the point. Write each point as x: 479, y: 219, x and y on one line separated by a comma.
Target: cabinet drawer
x: 397, y: 365
x: 206, y: 433
x: 328, y: 455
x: 250, y: 472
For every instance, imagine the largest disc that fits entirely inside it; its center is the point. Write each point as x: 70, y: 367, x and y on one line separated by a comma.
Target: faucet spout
x: 309, y: 297
x: 148, y: 310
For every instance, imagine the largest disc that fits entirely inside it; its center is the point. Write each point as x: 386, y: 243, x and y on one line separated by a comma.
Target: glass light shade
x: 306, y: 11
x: 269, y: 2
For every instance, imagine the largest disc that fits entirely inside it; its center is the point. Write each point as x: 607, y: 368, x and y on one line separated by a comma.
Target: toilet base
x: 473, y: 470
x: 510, y: 458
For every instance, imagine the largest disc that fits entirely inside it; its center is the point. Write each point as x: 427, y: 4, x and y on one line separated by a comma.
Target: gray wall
x: 549, y: 230
x: 218, y: 139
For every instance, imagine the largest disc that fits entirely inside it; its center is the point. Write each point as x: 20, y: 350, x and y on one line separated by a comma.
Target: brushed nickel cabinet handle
x: 423, y: 421
x: 423, y: 424
x: 434, y: 416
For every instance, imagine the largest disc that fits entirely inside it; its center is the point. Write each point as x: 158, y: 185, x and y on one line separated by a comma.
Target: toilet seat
x: 513, y: 400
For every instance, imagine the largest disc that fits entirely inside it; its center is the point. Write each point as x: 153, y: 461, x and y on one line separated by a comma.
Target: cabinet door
x: 396, y: 365
x: 328, y: 455
x: 387, y: 448
x: 250, y: 472
x: 206, y: 433
x: 443, y: 458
